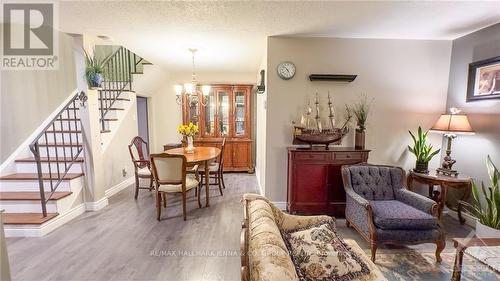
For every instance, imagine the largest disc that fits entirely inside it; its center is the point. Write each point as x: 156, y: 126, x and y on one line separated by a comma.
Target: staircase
x: 47, y: 188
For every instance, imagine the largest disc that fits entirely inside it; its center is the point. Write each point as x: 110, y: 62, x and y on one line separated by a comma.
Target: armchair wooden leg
x: 440, y: 245
x: 136, y: 187
x: 347, y: 223
x: 158, y: 205
x: 164, y: 200
x: 373, y: 246
x: 150, y: 183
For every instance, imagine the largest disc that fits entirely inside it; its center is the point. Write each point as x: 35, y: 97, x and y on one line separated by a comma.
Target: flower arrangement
x: 188, y: 130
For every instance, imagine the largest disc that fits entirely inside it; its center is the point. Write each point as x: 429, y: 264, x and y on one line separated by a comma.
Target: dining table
x: 200, y: 155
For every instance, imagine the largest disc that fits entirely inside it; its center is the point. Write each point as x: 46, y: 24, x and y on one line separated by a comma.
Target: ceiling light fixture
x: 191, y: 90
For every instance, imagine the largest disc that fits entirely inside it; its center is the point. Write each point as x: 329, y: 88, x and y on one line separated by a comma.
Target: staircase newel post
x: 36, y: 152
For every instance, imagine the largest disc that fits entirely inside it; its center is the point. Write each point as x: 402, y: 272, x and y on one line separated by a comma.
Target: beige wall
x: 484, y: 116
x: 408, y: 80
x: 28, y: 97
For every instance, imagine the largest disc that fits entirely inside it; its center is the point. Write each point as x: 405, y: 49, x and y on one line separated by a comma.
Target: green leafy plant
x: 421, y: 148
x: 488, y: 214
x: 360, y: 110
x: 94, y: 65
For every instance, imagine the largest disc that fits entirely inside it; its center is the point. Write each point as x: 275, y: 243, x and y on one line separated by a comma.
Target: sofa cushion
x: 269, y: 258
x: 374, y: 182
x: 393, y: 214
x: 319, y: 254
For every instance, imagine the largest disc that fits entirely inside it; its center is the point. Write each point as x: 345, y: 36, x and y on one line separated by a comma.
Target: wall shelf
x: 332, y: 77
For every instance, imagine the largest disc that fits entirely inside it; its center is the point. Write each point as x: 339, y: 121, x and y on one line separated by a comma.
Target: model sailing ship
x: 311, y: 131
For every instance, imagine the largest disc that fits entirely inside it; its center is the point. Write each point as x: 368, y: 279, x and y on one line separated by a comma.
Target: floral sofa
x: 264, y: 252
x: 384, y: 212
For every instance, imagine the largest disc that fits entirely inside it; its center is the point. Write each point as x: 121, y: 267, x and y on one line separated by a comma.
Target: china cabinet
x: 225, y: 112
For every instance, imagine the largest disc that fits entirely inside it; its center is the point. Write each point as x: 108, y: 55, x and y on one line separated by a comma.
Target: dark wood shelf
x: 333, y: 77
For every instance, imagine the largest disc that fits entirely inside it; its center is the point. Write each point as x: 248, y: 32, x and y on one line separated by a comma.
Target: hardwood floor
x: 125, y: 241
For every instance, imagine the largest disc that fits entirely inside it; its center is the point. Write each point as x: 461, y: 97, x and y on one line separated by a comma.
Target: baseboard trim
x: 97, y: 205
x: 280, y: 205
x: 119, y: 187
x: 46, y: 228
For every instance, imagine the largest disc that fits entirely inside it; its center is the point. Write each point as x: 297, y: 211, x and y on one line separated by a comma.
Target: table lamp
x: 451, y: 125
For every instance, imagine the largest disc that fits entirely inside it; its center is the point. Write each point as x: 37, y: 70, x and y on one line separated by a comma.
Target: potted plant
x: 488, y: 215
x: 360, y: 110
x: 422, y: 151
x: 188, y: 131
x: 94, y: 70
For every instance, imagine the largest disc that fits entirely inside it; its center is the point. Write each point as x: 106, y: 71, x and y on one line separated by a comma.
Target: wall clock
x: 286, y: 70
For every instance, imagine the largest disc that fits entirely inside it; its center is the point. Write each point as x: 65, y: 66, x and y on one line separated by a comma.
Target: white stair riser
x: 30, y: 167
x: 60, y: 152
x: 32, y: 206
x: 109, y: 114
x: 32, y: 185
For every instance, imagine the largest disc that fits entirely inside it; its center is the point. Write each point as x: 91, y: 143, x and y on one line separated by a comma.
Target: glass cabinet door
x: 223, y: 113
x: 209, y: 115
x: 240, y: 113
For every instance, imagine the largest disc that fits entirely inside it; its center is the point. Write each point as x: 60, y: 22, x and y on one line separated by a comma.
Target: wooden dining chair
x: 215, y: 170
x: 169, y: 173
x: 139, y: 152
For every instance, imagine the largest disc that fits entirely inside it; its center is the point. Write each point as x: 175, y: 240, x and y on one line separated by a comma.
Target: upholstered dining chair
x: 139, y: 152
x: 169, y: 173
x: 215, y: 170
x: 383, y: 211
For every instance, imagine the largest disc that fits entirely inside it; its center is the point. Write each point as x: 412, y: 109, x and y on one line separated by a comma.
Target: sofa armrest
x: 417, y: 201
x: 289, y: 222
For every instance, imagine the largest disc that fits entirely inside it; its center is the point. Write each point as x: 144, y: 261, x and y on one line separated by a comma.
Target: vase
x: 359, y: 139
x: 421, y: 167
x: 484, y: 231
x: 190, y: 147
x: 95, y: 80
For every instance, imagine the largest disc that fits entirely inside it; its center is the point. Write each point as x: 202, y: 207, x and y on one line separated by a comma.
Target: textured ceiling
x: 231, y: 36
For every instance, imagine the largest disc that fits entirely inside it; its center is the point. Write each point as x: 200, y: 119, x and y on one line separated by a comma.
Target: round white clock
x: 286, y: 70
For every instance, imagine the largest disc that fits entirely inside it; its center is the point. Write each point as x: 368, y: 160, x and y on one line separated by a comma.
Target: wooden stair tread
x: 110, y: 119
x: 114, y: 108
x: 115, y: 90
x: 34, y: 176
x: 64, y: 131
x: 123, y: 99
x: 105, y: 131
x: 27, y: 218
x: 46, y: 159
x: 60, y: 144
x: 32, y: 195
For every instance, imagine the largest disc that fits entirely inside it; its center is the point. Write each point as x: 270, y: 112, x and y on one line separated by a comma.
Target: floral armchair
x: 383, y: 212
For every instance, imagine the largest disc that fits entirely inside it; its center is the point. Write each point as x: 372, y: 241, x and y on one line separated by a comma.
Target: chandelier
x: 191, y: 89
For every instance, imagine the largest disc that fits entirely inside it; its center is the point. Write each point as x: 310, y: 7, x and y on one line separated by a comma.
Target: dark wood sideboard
x: 315, y: 180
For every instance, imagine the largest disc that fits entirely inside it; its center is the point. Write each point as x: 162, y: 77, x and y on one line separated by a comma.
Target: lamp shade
x: 453, y: 124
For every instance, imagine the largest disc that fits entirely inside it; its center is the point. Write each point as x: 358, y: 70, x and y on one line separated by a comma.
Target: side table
x: 432, y: 179
x: 461, y: 244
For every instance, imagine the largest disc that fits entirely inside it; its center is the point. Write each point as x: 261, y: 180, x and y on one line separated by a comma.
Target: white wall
x: 37, y: 92
x: 408, y: 80
x: 484, y: 116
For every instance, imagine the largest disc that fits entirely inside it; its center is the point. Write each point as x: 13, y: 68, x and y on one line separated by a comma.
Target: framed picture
x: 484, y: 80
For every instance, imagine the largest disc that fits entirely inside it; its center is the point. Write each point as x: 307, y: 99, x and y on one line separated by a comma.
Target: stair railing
x: 65, y: 122
x: 119, y: 68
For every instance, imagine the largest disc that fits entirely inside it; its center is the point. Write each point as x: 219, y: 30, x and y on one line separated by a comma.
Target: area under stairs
x: 20, y: 191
